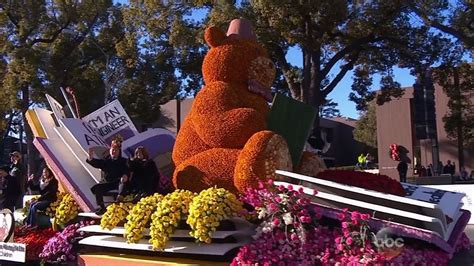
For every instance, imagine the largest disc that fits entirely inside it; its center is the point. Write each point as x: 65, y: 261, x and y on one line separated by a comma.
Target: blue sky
x: 340, y: 94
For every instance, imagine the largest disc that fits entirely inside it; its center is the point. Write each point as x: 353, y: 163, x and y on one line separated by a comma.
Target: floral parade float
x: 226, y: 206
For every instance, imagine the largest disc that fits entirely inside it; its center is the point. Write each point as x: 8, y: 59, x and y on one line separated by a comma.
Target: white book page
x: 429, y: 223
x: 448, y: 201
x: 398, y: 202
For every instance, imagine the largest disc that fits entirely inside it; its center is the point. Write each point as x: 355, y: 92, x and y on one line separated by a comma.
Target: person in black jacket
x: 48, y: 188
x: 17, y: 170
x: 402, y: 169
x: 114, y: 169
x: 144, y: 175
x: 9, y: 189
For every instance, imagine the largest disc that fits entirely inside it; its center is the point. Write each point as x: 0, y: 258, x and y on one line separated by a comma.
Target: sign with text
x: 83, y: 133
x: 7, y: 225
x: 111, y: 120
x: 461, y: 188
x: 56, y: 107
x: 12, y: 252
x: 447, y: 201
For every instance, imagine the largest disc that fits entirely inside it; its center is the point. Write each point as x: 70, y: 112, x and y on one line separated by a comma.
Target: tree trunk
x: 460, y: 125
x: 25, y: 101
x: 460, y: 145
x: 305, y: 85
x: 31, y: 150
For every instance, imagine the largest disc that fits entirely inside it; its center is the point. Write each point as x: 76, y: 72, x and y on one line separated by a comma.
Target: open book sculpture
x: 63, y: 142
x: 427, y: 214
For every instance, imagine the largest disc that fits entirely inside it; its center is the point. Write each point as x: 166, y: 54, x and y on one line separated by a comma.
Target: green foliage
x: 147, y: 52
x: 457, y: 22
x: 329, y: 109
x: 366, y: 127
x: 458, y: 83
x: 335, y: 37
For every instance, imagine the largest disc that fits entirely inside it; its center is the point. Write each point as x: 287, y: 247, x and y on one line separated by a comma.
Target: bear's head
x: 237, y: 58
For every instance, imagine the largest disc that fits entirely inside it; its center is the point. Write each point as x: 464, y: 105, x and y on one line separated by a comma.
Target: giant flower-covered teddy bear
x: 223, y: 141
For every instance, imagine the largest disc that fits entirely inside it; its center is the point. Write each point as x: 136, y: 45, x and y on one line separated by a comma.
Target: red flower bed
x: 380, y: 183
x: 34, y: 239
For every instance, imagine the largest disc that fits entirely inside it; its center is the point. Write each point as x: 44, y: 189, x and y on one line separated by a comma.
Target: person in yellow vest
x: 361, y: 161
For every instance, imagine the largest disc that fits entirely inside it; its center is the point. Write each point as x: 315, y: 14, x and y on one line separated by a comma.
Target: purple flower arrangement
x: 60, y: 248
x: 289, y: 234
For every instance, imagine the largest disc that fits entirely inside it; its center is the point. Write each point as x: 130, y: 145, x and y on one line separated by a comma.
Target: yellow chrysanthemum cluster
x: 51, y: 210
x: 115, y: 213
x: 138, y: 217
x: 67, y: 210
x: 172, y: 208
x: 209, y: 208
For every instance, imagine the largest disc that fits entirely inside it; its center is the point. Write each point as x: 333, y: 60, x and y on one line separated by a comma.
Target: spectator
x: 429, y: 170
x: 439, y: 169
x: 449, y: 168
x: 463, y: 175
x: 17, y: 171
x: 114, y: 169
x: 422, y: 171
x: 9, y: 188
x: 48, y: 188
x: 144, y: 175
x: 369, y: 161
x: 402, y: 169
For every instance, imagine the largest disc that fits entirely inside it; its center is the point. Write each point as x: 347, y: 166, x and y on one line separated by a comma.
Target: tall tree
x: 337, y: 36
x: 366, y: 127
x: 457, y: 82
x: 48, y: 44
x: 329, y: 109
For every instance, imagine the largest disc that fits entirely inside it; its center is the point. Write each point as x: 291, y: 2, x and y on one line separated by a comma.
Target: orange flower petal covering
x: 226, y: 120
x: 250, y: 166
x: 187, y: 143
x: 214, y: 167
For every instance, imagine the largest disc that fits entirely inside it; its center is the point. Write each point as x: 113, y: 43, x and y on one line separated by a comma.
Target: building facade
x: 396, y: 125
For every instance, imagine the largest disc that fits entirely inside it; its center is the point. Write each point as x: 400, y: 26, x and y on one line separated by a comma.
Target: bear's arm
x: 226, y: 116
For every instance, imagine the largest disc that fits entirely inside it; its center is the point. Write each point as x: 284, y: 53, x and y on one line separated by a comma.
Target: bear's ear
x: 214, y: 36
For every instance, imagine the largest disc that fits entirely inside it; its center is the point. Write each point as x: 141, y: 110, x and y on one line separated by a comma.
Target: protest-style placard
x: 111, y: 120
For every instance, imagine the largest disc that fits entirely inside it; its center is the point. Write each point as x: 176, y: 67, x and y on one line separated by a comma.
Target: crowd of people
x: 13, y: 186
x: 138, y: 176
x: 448, y: 169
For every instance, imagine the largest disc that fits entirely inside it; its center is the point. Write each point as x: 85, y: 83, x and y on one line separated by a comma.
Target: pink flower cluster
x: 285, y: 209
x: 289, y: 234
x: 60, y: 248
